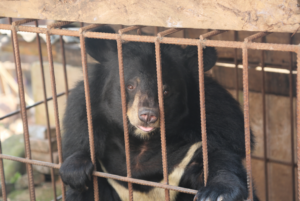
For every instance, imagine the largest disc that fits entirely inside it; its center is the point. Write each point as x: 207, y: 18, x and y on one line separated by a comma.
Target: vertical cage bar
x: 124, y: 106
x: 264, y: 121
x: 55, y: 104
x: 63, y: 56
x: 202, y: 112
x: 46, y: 110
x: 162, y: 116
x: 247, y: 122
x: 236, y: 67
x: 23, y: 111
x: 2, y: 176
x: 298, y: 119
x: 292, y: 118
x: 89, y: 113
x: 10, y: 22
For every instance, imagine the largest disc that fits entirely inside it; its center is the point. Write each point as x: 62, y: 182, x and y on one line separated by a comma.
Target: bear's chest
x: 154, y: 193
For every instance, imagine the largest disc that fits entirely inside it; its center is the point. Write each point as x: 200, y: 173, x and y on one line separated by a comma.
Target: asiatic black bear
x: 225, y: 127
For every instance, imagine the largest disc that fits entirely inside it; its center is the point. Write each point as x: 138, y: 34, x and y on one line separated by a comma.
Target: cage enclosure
x: 43, y: 56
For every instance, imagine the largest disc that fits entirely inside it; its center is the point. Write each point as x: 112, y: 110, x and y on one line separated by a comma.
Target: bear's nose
x: 148, y: 115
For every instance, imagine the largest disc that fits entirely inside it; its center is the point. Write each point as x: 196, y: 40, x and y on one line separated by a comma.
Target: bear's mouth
x: 146, y: 129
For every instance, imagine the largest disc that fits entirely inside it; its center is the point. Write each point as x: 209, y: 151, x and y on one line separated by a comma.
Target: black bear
x: 225, y: 127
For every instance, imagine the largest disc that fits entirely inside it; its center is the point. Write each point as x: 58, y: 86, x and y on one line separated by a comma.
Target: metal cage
x: 85, y: 31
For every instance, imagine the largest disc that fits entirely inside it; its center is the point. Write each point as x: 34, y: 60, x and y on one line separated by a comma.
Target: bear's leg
x: 227, y: 180
x: 76, y: 171
x: 106, y: 192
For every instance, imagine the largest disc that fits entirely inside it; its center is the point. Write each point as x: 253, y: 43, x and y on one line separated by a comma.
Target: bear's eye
x: 166, y: 92
x: 130, y: 87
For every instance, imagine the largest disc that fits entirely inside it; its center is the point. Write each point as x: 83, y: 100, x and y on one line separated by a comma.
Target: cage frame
x: 203, y: 41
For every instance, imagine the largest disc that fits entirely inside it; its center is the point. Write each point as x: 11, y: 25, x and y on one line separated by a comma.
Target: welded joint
x: 82, y: 31
x: 202, y: 42
x: 245, y: 43
x: 15, y: 25
x: 158, y: 39
x: 119, y: 38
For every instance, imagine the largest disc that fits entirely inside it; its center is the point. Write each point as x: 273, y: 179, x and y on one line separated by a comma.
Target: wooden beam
x: 250, y: 15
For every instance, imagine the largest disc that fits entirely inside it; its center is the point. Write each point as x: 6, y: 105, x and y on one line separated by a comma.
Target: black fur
x: 225, y: 124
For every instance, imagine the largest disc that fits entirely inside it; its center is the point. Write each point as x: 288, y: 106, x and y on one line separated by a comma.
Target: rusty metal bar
x: 292, y: 118
x: 24, y: 21
x: 162, y: 115
x: 55, y: 104
x: 124, y: 115
x: 89, y: 111
x: 63, y: 55
x: 264, y: 121
x: 2, y: 176
x: 63, y: 32
x: 146, y: 183
x: 32, y: 29
x: 202, y: 112
x: 46, y: 110
x: 256, y: 36
x: 131, y: 28
x: 6, y: 26
x: 165, y: 40
x: 211, y: 33
x: 23, y: 109
x: 236, y: 67
x: 246, y: 120
x: 89, y: 27
x: 298, y: 119
x: 245, y: 46
x: 248, y: 41
x: 104, y: 175
x: 168, y: 32
x: 30, y: 161
x: 29, y: 107
x: 13, y: 47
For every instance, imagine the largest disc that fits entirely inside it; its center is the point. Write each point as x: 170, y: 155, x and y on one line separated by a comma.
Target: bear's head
x: 179, y: 72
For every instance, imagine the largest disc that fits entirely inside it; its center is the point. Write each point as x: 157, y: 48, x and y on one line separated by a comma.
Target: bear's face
x: 179, y: 73
x: 142, y: 91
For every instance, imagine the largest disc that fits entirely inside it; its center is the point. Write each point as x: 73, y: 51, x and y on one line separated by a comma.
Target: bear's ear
x: 100, y: 49
x: 209, y: 57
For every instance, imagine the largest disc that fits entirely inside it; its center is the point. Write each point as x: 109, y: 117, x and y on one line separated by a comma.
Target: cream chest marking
x: 157, y: 193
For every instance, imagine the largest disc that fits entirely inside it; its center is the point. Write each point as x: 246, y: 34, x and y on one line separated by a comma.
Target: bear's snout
x: 148, y: 115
